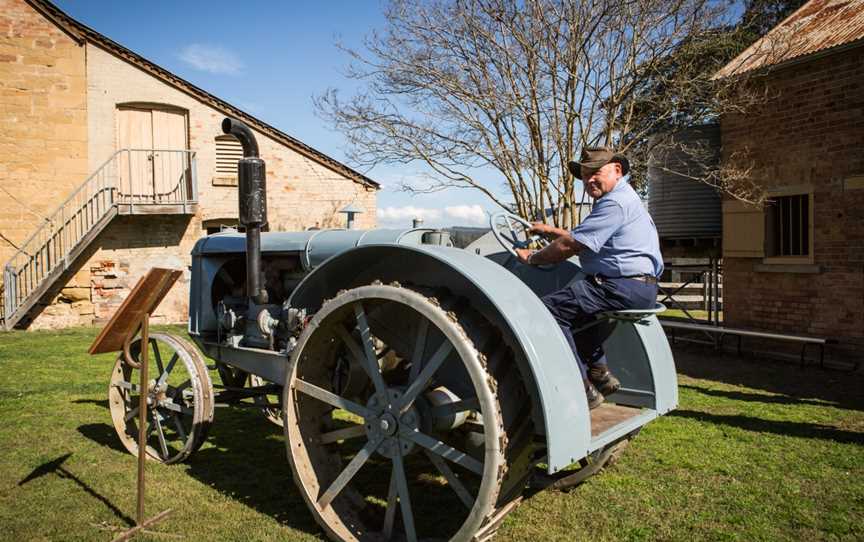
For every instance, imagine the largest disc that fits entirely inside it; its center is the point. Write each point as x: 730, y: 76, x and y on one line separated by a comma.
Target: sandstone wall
x: 301, y: 193
x: 43, y: 114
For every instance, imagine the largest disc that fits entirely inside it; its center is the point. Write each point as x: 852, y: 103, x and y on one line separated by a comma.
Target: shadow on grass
x: 98, y: 402
x: 103, y: 434
x: 841, y: 389
x: 55, y: 466
x: 244, y: 457
x: 779, y: 427
x: 755, y: 397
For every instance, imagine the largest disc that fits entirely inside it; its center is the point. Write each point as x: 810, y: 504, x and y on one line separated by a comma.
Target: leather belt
x: 647, y: 279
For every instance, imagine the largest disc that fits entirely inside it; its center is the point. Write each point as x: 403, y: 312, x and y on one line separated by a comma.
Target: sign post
x: 117, y: 336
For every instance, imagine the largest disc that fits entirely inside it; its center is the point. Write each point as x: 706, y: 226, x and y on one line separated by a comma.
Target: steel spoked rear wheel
x: 179, y: 397
x: 419, y: 446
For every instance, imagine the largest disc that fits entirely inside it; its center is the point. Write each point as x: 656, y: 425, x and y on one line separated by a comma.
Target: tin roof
x: 816, y: 26
x: 81, y: 33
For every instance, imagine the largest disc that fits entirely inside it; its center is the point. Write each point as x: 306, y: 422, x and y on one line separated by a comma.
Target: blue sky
x: 270, y: 59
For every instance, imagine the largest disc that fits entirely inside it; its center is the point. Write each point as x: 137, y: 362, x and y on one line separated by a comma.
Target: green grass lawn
x: 756, y: 451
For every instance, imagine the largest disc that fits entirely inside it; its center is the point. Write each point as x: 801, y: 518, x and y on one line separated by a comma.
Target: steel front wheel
x: 421, y: 436
x: 179, y: 397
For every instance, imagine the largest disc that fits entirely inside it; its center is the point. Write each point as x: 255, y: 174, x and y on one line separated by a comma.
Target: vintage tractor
x: 403, y: 370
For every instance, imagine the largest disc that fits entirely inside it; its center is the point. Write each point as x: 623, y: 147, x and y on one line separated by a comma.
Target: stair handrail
x: 51, y: 218
x: 59, y: 235
x: 190, y: 195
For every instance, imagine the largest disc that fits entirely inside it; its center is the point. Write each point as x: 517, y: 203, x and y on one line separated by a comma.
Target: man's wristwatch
x: 531, y: 257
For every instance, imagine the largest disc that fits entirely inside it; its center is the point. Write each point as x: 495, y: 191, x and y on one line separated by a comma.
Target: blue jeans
x: 577, y: 304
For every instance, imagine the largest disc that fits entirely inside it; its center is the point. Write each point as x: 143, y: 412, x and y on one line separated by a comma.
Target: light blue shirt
x: 619, y: 237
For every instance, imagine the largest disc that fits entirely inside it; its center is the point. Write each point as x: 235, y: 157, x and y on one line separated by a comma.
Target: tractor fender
x: 545, y: 360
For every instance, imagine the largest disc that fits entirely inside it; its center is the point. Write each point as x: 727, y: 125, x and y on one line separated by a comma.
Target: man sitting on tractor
x: 618, y: 249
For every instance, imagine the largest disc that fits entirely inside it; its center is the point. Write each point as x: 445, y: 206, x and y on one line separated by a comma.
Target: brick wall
x: 43, y: 114
x: 811, y: 132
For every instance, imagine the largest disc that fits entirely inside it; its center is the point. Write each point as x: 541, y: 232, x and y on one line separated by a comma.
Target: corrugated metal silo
x: 683, y: 208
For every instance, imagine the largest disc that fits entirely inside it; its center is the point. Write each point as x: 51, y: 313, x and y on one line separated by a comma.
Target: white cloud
x: 473, y: 214
x: 211, y: 58
x: 407, y: 213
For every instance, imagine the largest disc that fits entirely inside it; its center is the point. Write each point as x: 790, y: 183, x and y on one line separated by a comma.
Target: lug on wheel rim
x: 179, y: 399
x: 379, y: 458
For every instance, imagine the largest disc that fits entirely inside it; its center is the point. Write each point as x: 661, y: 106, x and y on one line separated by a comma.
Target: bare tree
x: 519, y: 87
x: 685, y: 90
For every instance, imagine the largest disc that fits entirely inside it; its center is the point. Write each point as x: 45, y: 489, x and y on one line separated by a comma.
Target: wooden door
x: 135, y: 133
x: 170, y: 166
x: 154, y: 169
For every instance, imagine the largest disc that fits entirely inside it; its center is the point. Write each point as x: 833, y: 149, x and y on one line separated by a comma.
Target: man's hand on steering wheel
x: 542, y: 228
x: 515, y: 235
x: 524, y: 254
x: 547, y: 231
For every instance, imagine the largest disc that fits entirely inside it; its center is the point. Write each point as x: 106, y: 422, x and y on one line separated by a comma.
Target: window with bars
x: 228, y: 153
x: 787, y: 226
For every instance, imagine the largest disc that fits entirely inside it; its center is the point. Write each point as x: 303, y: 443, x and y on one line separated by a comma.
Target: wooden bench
x: 719, y: 332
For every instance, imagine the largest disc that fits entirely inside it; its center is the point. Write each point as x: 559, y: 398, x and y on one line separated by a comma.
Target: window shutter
x: 743, y: 230
x: 228, y: 153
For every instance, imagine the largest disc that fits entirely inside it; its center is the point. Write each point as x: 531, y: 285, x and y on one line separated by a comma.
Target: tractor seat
x: 632, y: 315
x: 629, y: 315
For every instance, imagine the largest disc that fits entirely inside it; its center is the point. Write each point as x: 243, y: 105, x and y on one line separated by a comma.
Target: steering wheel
x: 512, y: 232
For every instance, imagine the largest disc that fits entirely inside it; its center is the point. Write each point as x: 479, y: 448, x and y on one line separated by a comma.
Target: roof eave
x: 800, y: 59
x: 81, y: 33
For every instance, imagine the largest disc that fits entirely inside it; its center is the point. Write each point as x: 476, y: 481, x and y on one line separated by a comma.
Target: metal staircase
x: 132, y: 181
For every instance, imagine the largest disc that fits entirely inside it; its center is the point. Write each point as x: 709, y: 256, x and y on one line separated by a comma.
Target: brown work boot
x: 595, y: 398
x: 605, y: 381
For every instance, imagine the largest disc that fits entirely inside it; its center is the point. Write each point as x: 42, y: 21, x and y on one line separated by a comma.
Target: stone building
x: 797, y: 264
x: 110, y: 165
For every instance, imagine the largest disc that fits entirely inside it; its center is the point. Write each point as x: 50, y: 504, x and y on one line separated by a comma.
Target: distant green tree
x: 682, y: 79
x: 679, y: 92
x: 760, y: 16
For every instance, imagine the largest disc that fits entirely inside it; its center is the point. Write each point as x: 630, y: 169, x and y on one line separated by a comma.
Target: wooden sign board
x: 142, y: 301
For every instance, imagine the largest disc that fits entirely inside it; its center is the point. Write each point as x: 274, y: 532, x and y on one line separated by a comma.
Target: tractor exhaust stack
x: 252, y: 192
